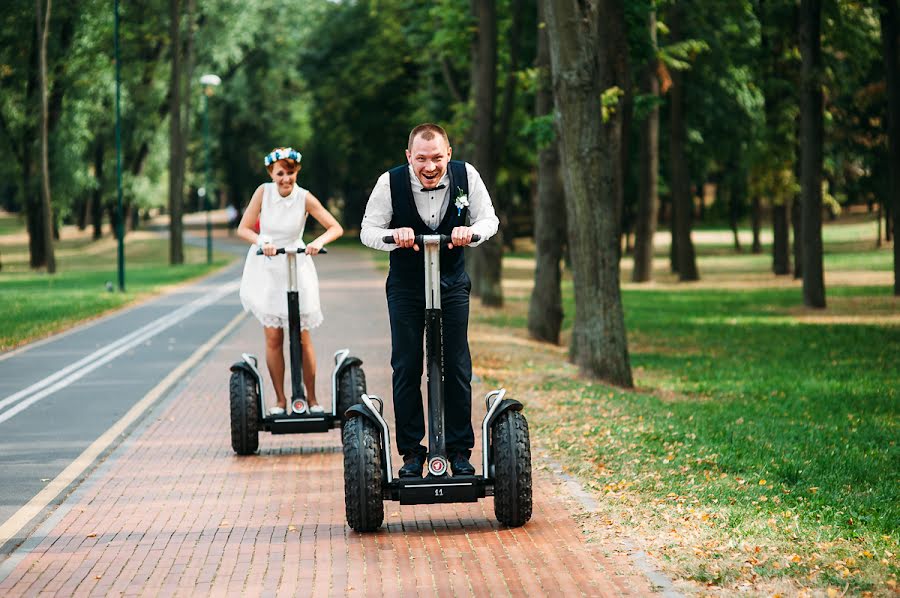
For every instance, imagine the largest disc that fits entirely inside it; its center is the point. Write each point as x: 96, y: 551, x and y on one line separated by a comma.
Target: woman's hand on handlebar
x: 313, y: 248
x: 268, y: 249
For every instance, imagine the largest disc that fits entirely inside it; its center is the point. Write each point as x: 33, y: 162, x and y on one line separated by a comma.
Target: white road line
x: 75, y: 469
x: 89, y: 363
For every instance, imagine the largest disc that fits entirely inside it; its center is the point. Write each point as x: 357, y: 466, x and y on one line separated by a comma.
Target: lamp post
x: 209, y: 83
x: 120, y: 224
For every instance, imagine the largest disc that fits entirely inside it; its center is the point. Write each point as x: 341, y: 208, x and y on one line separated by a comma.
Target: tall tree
x: 772, y: 174
x: 684, y: 257
x: 588, y: 55
x: 811, y: 144
x: 484, y: 84
x: 43, y: 31
x: 648, y: 188
x: 890, y: 32
x: 176, y: 139
x: 545, y: 312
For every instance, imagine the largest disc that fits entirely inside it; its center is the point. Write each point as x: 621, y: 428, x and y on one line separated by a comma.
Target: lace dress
x: 264, y: 283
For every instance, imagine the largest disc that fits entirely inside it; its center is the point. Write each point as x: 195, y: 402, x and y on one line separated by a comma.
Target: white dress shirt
x: 431, y: 205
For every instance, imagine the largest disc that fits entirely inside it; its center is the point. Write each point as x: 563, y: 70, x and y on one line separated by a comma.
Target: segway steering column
x: 298, y: 390
x: 434, y: 349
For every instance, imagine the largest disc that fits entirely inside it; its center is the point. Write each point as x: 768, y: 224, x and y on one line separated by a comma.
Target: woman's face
x: 284, y: 175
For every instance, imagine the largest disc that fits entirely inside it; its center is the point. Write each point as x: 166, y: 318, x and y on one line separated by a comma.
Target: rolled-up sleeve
x: 482, y: 219
x: 377, y: 219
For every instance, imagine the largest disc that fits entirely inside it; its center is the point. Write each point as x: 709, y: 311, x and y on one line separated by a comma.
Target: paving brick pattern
x: 176, y: 513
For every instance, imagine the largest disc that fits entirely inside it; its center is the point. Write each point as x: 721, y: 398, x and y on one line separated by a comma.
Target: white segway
x: 248, y: 414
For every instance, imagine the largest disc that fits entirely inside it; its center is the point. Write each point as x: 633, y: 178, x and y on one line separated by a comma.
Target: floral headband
x: 284, y: 153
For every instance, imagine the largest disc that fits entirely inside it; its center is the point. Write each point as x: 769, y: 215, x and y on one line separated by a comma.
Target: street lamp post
x: 120, y: 216
x: 209, y: 83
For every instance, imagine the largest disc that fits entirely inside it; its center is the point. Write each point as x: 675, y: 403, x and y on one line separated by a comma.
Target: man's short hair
x: 428, y: 132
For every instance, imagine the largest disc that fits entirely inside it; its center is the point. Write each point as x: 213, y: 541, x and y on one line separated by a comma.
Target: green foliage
x: 609, y: 100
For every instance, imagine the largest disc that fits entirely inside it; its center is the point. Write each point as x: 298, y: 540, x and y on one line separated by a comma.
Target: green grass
x: 35, y: 304
x: 800, y: 405
x: 785, y: 432
x: 11, y: 223
x: 754, y: 420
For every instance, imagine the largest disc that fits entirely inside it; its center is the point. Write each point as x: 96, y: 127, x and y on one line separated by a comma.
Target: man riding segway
x: 419, y: 211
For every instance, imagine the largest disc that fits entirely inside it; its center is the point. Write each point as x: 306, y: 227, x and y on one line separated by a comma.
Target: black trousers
x: 406, y: 307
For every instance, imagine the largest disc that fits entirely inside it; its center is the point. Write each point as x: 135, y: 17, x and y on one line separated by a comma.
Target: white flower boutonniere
x: 461, y: 201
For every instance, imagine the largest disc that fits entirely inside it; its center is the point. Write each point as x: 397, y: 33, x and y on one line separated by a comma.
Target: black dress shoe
x: 412, y: 466
x: 459, y: 465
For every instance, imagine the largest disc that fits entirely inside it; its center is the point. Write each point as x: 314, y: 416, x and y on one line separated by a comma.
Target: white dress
x: 264, y: 283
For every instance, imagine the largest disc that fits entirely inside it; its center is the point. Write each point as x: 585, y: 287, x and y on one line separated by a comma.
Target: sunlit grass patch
x: 35, y: 304
x: 760, y: 449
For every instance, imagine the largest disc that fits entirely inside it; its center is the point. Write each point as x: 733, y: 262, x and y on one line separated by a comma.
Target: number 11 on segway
x: 505, y: 444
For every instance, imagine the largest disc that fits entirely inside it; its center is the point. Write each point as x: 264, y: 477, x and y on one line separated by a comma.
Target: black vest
x: 408, y: 264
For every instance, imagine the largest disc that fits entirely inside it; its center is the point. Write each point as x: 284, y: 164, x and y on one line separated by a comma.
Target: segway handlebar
x: 296, y: 250
x: 389, y: 239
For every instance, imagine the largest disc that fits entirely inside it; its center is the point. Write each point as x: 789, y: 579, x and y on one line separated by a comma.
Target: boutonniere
x: 461, y: 201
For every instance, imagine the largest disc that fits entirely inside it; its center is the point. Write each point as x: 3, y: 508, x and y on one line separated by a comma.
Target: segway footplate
x: 431, y: 490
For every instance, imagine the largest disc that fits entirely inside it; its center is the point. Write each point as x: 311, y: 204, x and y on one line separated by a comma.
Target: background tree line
x: 593, y: 124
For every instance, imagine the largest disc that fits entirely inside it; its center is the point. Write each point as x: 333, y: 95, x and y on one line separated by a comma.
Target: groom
x: 431, y: 194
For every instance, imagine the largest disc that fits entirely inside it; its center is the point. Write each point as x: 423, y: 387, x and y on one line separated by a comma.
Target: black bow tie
x: 441, y: 186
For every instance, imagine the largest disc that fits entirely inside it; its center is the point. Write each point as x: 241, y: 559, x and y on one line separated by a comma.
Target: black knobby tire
x: 512, y: 469
x: 362, y: 474
x: 244, y: 413
x: 351, y: 386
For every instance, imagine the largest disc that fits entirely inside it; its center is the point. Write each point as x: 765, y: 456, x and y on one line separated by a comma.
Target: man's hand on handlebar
x: 405, y: 237
x: 461, y: 236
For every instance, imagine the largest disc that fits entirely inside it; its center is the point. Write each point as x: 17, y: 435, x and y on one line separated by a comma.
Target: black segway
x: 248, y: 415
x: 505, y: 447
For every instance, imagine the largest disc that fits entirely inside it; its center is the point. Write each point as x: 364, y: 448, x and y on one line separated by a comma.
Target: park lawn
x: 759, y: 450
x: 35, y: 304
x: 11, y: 223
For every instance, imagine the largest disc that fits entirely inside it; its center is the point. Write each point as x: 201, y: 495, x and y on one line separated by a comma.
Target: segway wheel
x: 351, y: 386
x: 244, y: 413
x: 362, y: 475
x: 512, y: 469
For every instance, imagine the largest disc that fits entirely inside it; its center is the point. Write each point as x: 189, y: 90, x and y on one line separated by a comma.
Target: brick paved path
x: 174, y: 512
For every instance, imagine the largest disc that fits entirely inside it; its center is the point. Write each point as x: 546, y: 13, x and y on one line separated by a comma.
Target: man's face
x: 284, y: 175
x: 429, y: 158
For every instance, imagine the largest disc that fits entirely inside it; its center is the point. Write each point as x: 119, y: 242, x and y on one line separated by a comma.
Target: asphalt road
x: 58, y: 396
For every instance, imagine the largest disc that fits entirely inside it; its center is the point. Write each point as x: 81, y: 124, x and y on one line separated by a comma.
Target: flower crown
x: 284, y: 153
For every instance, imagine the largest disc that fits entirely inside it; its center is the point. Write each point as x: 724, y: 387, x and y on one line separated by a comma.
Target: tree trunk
x: 648, y: 188
x: 43, y: 24
x: 890, y: 32
x: 682, y: 203
x: 97, y: 199
x: 756, y: 223
x: 889, y: 222
x: 797, y: 227
x: 781, y: 261
x: 188, y: 84
x: 587, y: 53
x: 176, y: 140
x: 487, y: 260
x: 545, y: 312
x: 734, y: 201
x: 811, y: 140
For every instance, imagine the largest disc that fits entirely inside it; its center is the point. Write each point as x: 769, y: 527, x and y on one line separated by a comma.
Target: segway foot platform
x: 298, y: 423
x: 434, y: 490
